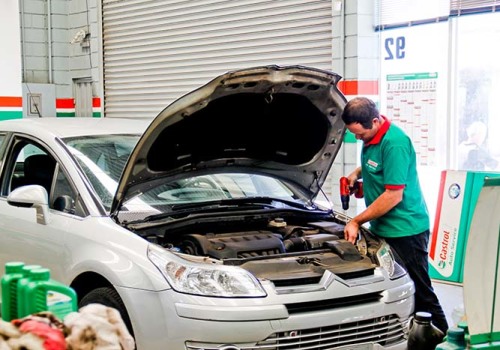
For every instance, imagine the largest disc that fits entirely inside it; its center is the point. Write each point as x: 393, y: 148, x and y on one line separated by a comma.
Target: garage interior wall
x: 59, y: 46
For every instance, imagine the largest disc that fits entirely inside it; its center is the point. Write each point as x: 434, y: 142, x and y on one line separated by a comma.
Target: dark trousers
x: 412, y: 253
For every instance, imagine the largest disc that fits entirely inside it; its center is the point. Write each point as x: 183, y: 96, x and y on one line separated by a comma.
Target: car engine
x: 282, y: 252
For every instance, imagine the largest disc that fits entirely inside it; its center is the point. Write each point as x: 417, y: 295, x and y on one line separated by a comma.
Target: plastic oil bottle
x: 423, y: 335
x: 13, y: 273
x: 455, y: 340
x: 463, y: 324
x: 21, y: 286
x: 42, y: 293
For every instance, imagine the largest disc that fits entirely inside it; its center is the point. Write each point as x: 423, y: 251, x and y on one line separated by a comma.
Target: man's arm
x: 385, y: 202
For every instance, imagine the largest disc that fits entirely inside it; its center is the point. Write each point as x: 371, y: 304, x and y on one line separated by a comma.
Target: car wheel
x: 109, y: 297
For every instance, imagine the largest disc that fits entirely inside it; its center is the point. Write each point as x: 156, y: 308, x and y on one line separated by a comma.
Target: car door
x: 22, y: 237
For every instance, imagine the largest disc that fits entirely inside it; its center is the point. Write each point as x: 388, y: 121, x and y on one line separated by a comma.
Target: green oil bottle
x: 13, y: 273
x: 455, y: 340
x: 21, y: 286
x: 42, y: 293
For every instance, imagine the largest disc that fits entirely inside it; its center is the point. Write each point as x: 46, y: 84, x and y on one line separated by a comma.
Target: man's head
x: 362, y: 118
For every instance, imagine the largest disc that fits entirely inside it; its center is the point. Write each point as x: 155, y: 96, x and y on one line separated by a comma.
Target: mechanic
x: 395, y: 206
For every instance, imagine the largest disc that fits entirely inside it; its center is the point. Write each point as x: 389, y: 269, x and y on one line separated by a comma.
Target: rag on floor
x: 93, y: 327
x: 41, y: 331
x: 97, y: 327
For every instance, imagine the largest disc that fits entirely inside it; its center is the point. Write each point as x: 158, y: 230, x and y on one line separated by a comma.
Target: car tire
x: 109, y: 297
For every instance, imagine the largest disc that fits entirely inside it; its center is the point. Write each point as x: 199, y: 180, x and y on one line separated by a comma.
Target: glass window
x: 393, y: 13
x: 64, y: 198
x: 478, y: 88
x: 2, y: 139
x: 33, y: 165
x: 226, y: 188
x: 414, y: 95
x: 102, y: 159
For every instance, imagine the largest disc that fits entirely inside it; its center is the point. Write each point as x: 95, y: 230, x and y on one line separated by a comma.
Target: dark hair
x: 360, y: 110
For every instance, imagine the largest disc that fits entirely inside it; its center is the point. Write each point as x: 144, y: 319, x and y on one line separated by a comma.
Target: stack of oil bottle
x: 28, y: 289
x: 39, y: 313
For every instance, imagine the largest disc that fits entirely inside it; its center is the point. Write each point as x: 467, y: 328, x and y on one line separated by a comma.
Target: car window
x: 30, y: 164
x: 102, y: 159
x: 2, y: 140
x: 64, y: 198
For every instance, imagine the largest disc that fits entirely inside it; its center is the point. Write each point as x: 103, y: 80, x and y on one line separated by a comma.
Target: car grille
x: 385, y: 331
x: 296, y: 308
x: 382, y: 330
x: 297, y: 281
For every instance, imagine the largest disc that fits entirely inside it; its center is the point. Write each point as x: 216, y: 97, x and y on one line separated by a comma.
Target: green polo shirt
x: 388, y: 161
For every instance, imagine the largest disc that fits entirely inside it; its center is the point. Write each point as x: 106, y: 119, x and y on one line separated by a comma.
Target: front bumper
x: 176, y: 321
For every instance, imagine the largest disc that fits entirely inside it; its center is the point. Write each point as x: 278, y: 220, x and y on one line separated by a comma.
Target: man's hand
x: 351, y: 231
x: 354, y: 176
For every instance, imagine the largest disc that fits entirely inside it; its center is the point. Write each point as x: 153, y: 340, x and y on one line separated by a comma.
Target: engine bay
x: 287, y: 253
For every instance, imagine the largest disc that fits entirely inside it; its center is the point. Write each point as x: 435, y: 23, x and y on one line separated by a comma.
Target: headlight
x: 204, y: 279
x: 388, y: 263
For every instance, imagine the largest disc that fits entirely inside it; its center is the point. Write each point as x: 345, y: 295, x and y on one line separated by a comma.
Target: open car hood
x: 281, y: 121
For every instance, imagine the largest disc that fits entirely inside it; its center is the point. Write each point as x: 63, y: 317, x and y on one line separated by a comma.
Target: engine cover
x: 233, y: 245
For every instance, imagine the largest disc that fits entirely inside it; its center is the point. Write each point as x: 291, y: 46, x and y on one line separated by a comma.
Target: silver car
x: 203, y: 226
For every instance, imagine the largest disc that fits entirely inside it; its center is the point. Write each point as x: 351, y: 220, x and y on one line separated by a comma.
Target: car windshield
x: 103, y: 158
x: 224, y: 191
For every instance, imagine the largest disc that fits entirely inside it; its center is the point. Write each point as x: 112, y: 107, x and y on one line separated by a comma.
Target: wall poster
x: 411, y: 104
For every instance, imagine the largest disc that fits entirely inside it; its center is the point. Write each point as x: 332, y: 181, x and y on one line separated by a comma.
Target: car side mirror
x: 32, y: 196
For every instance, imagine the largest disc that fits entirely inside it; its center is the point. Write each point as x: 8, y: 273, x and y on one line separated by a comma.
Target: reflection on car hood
x: 281, y: 121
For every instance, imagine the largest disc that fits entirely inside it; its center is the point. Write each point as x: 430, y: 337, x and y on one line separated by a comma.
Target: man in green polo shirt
x: 395, y: 206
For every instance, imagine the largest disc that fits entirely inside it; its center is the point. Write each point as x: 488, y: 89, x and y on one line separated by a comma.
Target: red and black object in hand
x: 346, y: 190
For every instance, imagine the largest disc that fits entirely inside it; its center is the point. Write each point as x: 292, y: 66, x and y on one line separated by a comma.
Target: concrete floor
x: 451, y: 299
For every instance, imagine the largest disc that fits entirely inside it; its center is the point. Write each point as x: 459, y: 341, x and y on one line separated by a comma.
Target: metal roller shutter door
x: 157, y: 50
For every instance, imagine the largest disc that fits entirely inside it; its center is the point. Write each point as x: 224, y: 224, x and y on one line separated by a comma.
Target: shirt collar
x: 380, y: 133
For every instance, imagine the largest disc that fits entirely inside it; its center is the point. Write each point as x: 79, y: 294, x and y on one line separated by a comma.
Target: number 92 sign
x: 395, y: 48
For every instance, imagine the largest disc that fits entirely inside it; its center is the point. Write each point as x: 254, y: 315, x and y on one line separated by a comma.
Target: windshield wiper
x: 253, y: 203
x: 268, y: 202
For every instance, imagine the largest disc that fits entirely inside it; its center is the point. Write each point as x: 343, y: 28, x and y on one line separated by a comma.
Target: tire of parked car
x: 109, y: 297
